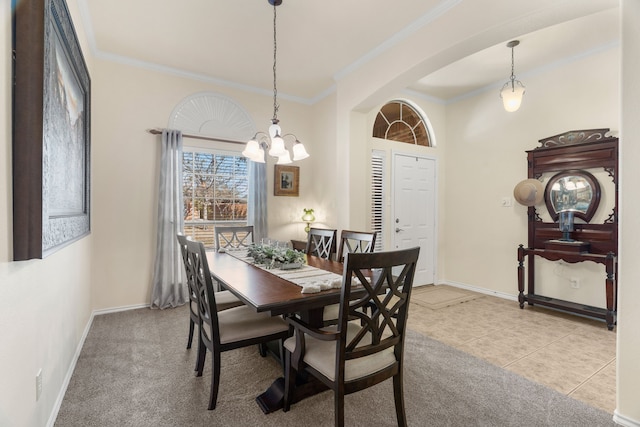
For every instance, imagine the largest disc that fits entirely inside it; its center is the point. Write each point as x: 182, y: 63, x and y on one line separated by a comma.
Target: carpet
x: 134, y: 370
x: 437, y: 297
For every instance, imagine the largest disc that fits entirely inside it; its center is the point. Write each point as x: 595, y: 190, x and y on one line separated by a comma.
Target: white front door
x: 413, y: 210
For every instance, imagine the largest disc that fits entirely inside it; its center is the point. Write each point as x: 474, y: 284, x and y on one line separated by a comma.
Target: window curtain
x: 169, y: 287
x: 257, y: 200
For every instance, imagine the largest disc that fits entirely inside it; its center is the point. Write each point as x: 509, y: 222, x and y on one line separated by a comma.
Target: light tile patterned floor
x: 571, y: 354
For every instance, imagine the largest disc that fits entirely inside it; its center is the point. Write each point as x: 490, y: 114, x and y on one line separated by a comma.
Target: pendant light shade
x: 274, y: 140
x: 512, y: 96
x: 513, y: 90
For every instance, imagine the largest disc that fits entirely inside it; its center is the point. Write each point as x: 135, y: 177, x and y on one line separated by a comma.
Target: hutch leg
x: 521, y: 276
x: 610, y: 290
x: 531, y: 277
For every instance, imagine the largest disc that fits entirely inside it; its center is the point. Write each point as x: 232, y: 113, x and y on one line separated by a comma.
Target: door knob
x: 399, y: 230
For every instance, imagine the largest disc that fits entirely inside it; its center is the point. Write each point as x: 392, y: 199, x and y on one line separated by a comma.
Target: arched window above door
x: 400, y: 121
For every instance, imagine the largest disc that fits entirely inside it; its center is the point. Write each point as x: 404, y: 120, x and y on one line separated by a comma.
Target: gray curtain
x: 257, y: 203
x: 169, y: 284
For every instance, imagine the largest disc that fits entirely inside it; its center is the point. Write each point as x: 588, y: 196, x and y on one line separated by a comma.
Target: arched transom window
x: 399, y: 121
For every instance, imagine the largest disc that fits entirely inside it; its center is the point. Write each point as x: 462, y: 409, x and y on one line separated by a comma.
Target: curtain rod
x: 206, y: 138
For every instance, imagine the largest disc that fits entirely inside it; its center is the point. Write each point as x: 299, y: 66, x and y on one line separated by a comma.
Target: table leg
x: 306, y: 386
x: 273, y: 398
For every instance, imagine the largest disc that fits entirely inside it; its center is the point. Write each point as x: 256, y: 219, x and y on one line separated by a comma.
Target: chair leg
x: 202, y: 355
x: 282, y: 352
x: 191, y: 328
x: 262, y: 349
x: 289, y: 381
x: 215, y: 379
x: 398, y: 395
x: 339, y: 407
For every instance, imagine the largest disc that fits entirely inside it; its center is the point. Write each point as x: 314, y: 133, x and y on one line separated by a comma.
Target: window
x: 377, y: 197
x: 215, y: 187
x: 400, y: 121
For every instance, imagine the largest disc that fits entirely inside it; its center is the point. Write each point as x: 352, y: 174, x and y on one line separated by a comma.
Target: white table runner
x: 310, y: 279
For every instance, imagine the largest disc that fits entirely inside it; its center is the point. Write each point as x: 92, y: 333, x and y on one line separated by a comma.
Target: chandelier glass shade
x: 274, y: 140
x: 513, y: 90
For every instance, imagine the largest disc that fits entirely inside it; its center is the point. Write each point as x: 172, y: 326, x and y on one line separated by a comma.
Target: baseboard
x: 479, y: 290
x: 117, y: 309
x: 624, y: 421
x: 72, y: 366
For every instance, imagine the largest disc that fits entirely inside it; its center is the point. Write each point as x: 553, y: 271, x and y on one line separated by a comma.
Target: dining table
x: 265, y: 291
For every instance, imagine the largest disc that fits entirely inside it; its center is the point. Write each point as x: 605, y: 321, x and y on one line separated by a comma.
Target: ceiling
x: 230, y: 42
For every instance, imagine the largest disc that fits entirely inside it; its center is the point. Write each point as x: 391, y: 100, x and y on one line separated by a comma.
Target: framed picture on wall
x: 51, y: 134
x: 286, y: 181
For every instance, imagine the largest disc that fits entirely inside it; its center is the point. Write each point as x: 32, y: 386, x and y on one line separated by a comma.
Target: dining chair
x: 321, y: 242
x: 227, y: 329
x: 355, y: 242
x: 234, y: 236
x: 353, y: 355
x: 224, y: 299
x: 350, y: 242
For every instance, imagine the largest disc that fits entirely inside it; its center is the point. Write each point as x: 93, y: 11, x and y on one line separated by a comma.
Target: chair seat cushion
x: 321, y: 355
x: 242, y: 323
x: 225, y: 300
x: 331, y: 312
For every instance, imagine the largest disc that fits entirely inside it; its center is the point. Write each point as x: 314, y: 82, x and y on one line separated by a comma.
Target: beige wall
x: 628, y: 354
x: 128, y: 101
x: 112, y: 267
x: 436, y: 116
x: 486, y: 159
x: 44, y: 304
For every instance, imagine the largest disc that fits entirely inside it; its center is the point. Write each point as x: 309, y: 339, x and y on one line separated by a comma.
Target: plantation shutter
x: 377, y: 197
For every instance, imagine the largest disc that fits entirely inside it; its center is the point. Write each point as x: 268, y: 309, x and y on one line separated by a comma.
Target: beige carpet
x: 437, y: 297
x: 134, y: 371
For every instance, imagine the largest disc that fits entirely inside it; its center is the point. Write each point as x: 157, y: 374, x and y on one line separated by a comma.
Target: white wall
x: 44, y: 304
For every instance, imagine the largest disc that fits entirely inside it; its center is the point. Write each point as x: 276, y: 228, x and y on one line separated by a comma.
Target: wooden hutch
x: 568, y: 156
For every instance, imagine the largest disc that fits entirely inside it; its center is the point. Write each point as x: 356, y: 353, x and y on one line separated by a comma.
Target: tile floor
x: 569, y: 353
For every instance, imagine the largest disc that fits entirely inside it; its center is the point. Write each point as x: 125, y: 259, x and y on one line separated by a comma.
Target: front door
x: 413, y: 210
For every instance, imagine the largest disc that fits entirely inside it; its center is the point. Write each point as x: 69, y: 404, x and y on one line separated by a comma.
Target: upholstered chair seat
x: 321, y: 355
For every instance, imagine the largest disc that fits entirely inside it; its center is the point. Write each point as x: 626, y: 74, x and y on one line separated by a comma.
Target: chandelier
x: 274, y: 140
x: 512, y: 91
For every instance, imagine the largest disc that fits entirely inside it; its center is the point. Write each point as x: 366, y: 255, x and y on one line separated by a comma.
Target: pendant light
x: 274, y: 140
x: 512, y: 90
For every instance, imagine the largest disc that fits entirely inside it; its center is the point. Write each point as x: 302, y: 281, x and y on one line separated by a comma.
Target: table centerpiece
x: 276, y: 256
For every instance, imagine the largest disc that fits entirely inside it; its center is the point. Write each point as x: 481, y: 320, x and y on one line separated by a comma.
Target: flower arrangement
x: 276, y: 256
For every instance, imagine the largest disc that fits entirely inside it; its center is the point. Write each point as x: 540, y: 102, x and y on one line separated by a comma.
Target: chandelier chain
x: 275, y: 50
x: 513, y: 77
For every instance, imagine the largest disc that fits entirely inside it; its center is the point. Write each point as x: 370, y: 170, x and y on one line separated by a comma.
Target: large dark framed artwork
x: 51, y: 131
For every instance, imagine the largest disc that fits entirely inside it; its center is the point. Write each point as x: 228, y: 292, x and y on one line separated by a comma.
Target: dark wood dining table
x: 266, y: 292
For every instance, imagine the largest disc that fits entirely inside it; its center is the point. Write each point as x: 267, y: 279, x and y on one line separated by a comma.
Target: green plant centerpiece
x: 276, y: 256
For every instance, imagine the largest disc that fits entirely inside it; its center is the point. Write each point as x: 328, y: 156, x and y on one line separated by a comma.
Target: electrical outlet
x: 505, y: 202
x: 38, y: 384
x: 575, y: 283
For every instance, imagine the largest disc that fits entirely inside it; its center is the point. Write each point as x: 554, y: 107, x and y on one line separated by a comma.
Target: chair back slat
x: 321, y: 242
x: 190, y: 276
x: 355, y: 242
x: 382, y: 312
x: 234, y: 236
x: 205, y: 293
